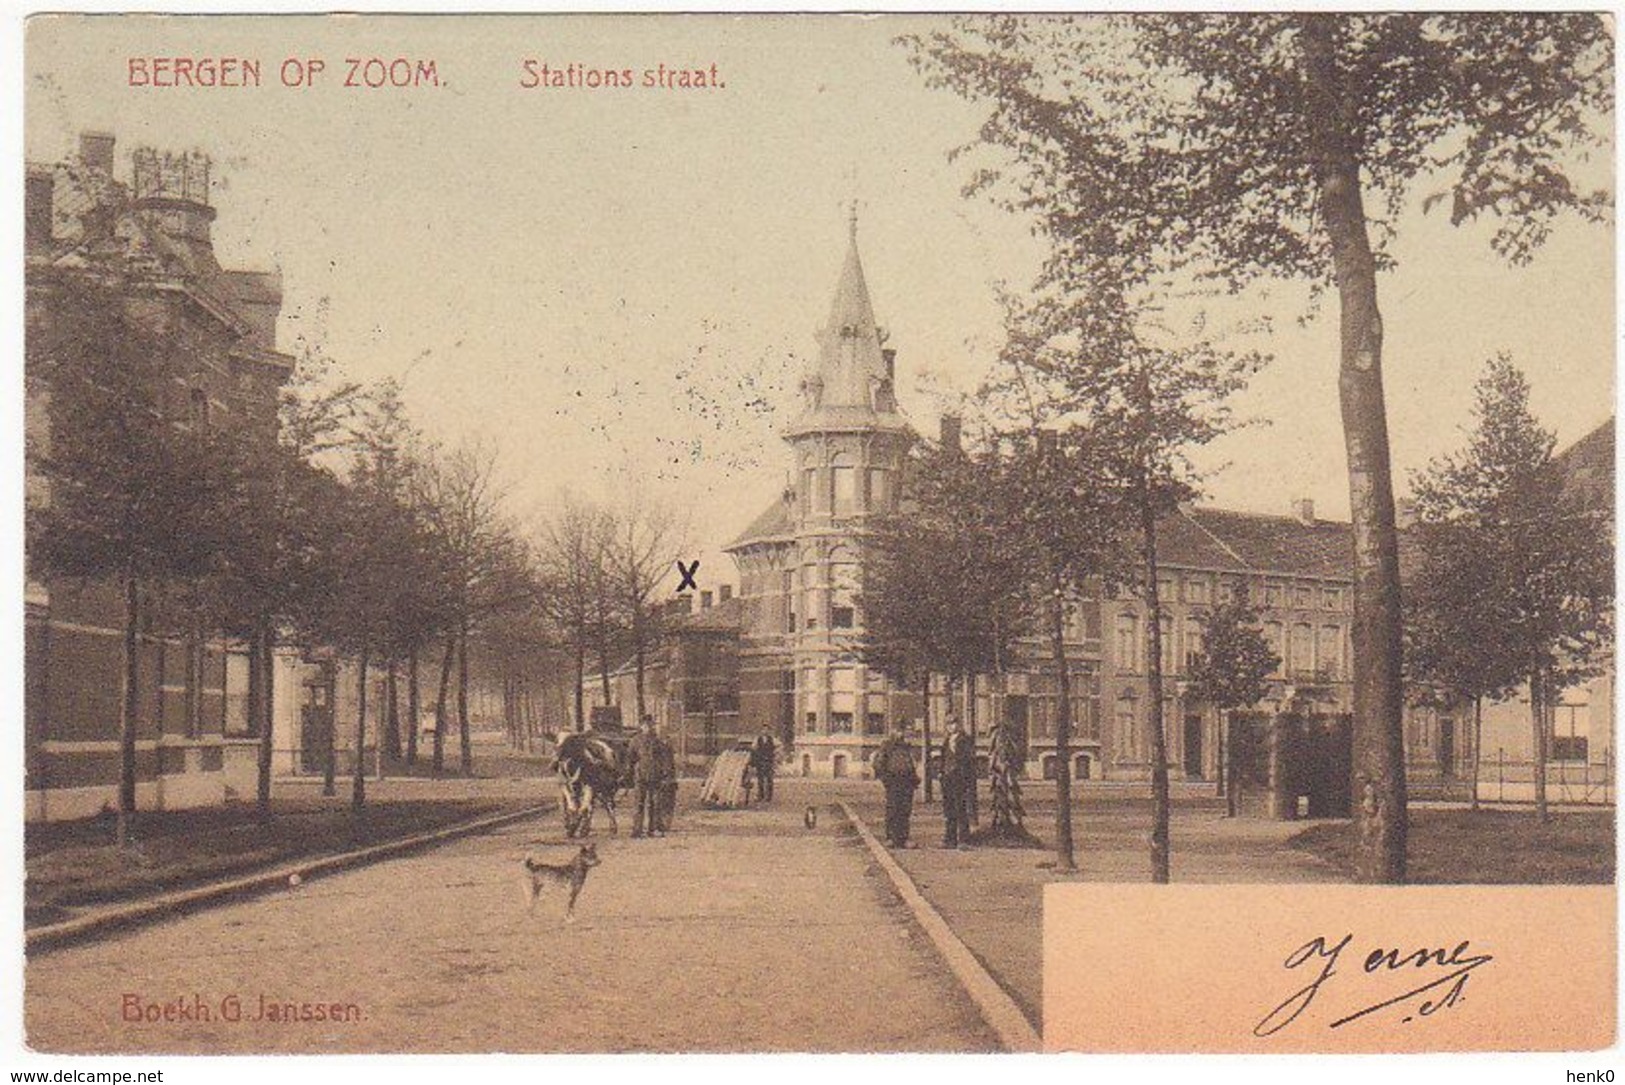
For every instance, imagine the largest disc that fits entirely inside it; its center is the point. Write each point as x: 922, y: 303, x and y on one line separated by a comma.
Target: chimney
x: 1304, y: 510
x: 890, y: 354
x: 705, y: 600
x: 38, y: 201
x: 96, y: 151
x: 950, y: 432
x: 725, y: 593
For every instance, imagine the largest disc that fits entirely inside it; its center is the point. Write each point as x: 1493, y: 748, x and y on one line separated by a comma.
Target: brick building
x: 193, y: 737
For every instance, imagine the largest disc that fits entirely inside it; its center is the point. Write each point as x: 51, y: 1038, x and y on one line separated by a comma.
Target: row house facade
x: 193, y: 735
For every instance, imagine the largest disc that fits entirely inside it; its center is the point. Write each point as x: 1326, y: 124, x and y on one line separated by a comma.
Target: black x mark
x: 688, y: 575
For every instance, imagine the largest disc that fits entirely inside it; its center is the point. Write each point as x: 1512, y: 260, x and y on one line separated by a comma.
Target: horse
x: 590, y: 773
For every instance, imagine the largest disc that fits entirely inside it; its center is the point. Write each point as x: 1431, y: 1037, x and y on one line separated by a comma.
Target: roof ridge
x: 1226, y: 547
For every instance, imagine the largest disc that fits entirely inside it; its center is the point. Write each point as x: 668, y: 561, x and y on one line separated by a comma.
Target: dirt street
x: 742, y: 931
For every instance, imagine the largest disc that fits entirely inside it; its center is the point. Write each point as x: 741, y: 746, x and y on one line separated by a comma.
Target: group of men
x: 895, y: 769
x: 764, y: 759
x: 654, y: 781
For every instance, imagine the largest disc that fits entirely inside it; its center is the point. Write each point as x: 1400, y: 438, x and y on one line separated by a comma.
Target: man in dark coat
x: 666, y: 789
x: 958, y: 784
x: 647, y: 777
x: 763, y: 759
x: 894, y: 768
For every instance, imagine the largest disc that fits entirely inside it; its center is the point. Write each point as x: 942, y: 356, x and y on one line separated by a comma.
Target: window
x: 842, y: 617
x: 1303, y: 596
x: 1228, y: 591
x: 1196, y: 590
x: 844, y: 486
x: 874, y: 723
x: 879, y: 489
x: 1128, y: 728
x: 1166, y: 625
x: 809, y: 491
x: 840, y: 723
x: 1303, y: 649
x: 237, y: 721
x: 1193, y: 644
x: 811, y: 723
x: 1128, y: 642
x: 1331, y: 598
x: 1331, y: 652
x: 1165, y: 589
x: 1274, y: 634
x: 1274, y: 594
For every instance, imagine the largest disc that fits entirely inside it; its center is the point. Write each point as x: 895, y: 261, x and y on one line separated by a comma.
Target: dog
x: 540, y: 876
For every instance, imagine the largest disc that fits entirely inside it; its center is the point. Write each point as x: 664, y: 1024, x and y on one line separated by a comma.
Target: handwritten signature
x: 1446, y: 972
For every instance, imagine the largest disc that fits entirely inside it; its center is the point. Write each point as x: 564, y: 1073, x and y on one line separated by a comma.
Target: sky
x: 617, y: 288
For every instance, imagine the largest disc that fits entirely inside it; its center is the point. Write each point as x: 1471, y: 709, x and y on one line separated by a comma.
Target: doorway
x: 1447, y: 747
x: 1193, y: 747
x: 316, y: 720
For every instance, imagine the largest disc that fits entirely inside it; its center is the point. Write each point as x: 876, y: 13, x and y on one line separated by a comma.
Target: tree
x: 570, y: 550
x: 641, y: 543
x: 133, y: 491
x: 1233, y: 669
x: 1245, y: 145
x: 944, y: 592
x: 458, y: 500
x: 1516, y: 580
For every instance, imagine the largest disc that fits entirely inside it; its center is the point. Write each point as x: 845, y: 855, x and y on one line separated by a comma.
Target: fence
x: 1502, y: 779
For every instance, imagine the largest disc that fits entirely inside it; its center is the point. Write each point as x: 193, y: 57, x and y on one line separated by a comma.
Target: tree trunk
x: 465, y: 741
x: 1478, y: 735
x: 970, y: 725
x: 392, y: 718
x: 1064, y: 856
x: 129, y: 708
x: 1537, y: 713
x: 581, y: 683
x: 930, y: 776
x: 412, y: 706
x: 1231, y: 800
x: 439, y: 761
x: 261, y: 685
x: 639, y: 654
x: 1379, y: 750
x: 1160, y: 861
x: 358, y: 786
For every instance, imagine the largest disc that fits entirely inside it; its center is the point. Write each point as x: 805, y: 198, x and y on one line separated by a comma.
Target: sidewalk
x: 74, y: 868
x: 993, y: 898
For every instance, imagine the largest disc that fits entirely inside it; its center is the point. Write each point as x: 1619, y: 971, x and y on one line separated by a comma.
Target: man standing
x: 763, y: 759
x: 894, y: 768
x: 666, y: 788
x: 958, y: 784
x: 646, y: 777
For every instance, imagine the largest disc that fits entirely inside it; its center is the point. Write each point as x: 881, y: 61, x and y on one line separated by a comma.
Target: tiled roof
x: 1228, y: 541
x: 1588, y: 469
x: 774, y: 522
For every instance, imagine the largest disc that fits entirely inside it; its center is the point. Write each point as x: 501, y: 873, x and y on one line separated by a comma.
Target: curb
x: 89, y: 927
x: 997, y: 1008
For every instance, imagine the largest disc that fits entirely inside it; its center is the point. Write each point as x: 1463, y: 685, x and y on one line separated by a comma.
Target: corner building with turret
x: 799, y: 562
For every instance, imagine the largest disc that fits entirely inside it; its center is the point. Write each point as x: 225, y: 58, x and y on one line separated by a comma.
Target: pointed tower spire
x: 852, y: 367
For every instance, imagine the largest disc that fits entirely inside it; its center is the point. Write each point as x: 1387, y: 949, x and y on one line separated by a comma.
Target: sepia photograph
x: 818, y: 533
